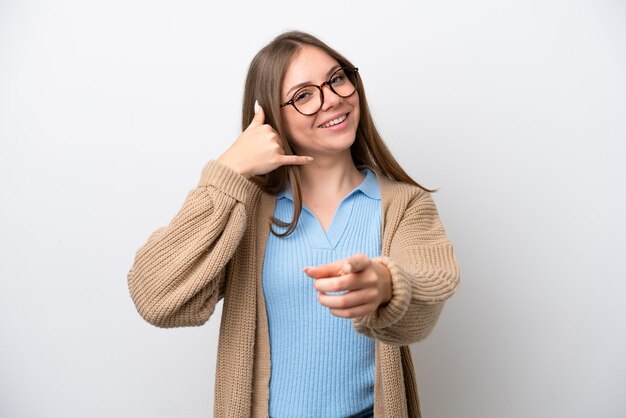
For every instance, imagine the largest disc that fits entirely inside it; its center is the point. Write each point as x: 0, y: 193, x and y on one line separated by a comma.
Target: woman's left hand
x: 366, y: 283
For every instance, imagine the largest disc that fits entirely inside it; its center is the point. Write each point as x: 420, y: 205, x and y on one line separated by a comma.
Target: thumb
x: 259, y: 116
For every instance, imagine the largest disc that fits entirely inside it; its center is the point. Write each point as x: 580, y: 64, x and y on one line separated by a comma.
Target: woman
x: 329, y: 257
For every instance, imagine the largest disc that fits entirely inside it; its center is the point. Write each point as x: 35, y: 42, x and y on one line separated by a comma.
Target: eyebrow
x: 306, y: 83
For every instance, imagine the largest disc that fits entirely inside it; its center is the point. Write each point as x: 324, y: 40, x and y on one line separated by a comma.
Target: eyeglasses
x: 309, y: 99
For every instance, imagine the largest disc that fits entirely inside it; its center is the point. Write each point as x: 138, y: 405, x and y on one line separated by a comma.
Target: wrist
x: 233, y: 166
x: 385, y: 278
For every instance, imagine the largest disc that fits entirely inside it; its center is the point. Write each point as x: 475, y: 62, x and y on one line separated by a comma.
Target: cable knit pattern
x: 214, y: 248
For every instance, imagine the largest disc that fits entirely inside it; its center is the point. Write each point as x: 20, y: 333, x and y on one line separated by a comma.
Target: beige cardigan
x: 214, y: 248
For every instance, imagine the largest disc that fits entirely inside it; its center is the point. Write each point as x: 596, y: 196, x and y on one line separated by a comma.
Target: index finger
x: 295, y: 159
x: 353, y: 264
x: 334, y: 269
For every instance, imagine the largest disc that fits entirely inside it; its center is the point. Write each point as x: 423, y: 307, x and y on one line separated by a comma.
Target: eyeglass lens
x: 308, y: 100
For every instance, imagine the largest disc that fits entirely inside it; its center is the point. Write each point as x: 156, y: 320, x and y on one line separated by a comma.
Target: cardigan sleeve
x: 424, y: 274
x: 178, y: 275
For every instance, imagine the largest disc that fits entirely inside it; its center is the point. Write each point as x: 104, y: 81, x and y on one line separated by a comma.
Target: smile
x: 334, y: 121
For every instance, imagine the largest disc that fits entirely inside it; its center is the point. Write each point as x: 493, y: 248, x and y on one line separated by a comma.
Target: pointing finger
x: 295, y: 160
x: 325, y: 270
x: 353, y: 264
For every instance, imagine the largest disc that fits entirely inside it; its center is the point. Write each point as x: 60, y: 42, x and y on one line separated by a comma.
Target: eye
x: 303, y: 95
x: 337, y: 79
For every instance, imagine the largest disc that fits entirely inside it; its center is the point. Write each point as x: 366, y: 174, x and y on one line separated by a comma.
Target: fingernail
x: 347, y: 268
x: 256, y: 106
x: 310, y: 158
x: 305, y: 269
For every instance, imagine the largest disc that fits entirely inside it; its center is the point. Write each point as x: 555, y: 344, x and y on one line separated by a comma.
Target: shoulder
x: 399, y: 194
x: 410, y: 213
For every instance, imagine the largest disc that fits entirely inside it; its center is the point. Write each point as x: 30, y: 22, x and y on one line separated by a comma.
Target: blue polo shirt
x: 320, y: 366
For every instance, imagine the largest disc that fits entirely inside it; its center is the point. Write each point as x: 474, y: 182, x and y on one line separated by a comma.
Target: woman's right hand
x: 258, y: 151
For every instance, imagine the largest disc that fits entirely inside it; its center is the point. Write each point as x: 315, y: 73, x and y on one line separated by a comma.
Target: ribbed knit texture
x: 320, y: 366
x: 214, y: 247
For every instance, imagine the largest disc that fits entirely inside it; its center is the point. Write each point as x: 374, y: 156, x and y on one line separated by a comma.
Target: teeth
x: 334, y: 121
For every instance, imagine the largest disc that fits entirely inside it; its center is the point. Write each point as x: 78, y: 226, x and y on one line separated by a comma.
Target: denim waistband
x: 366, y: 413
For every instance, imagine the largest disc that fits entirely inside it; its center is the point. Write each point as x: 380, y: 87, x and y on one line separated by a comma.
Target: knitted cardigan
x: 214, y: 247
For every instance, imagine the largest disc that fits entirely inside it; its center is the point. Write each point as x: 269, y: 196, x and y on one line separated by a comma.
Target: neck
x: 330, y: 177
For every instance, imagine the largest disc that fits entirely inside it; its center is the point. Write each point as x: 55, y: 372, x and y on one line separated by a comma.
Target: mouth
x: 334, y: 122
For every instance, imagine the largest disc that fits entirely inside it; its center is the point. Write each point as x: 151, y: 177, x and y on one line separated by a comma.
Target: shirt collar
x: 369, y: 186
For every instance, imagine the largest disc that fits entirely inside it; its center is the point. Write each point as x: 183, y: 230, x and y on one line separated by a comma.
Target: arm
x: 424, y: 273
x: 178, y: 275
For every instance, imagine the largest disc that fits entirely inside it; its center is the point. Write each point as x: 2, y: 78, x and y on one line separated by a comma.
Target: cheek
x: 297, y: 129
x: 353, y: 101
x: 293, y: 135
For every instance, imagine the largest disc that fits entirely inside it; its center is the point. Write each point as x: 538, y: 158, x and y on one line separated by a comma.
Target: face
x: 313, y: 135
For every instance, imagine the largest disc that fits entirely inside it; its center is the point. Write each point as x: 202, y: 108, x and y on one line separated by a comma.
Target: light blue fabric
x: 320, y: 366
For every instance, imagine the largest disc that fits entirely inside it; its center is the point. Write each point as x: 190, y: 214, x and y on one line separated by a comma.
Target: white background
x: 515, y: 110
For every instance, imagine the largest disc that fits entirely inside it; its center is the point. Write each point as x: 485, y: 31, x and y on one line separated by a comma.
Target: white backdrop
x: 515, y: 110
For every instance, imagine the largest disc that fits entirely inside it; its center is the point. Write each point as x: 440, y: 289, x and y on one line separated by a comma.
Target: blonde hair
x: 264, y: 82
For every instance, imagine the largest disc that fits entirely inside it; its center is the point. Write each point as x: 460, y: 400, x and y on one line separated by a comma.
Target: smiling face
x: 333, y: 129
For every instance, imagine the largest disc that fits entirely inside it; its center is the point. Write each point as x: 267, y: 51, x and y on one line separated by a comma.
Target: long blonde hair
x: 264, y: 82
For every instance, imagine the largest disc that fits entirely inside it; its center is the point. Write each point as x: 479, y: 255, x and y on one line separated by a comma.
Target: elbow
x: 150, y: 311
x: 148, y: 306
x: 155, y: 315
x: 163, y: 313
x: 176, y: 307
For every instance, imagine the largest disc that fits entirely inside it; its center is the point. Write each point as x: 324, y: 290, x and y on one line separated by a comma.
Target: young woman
x: 331, y: 260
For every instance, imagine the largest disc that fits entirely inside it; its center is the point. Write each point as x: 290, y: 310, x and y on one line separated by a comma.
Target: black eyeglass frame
x: 321, y: 89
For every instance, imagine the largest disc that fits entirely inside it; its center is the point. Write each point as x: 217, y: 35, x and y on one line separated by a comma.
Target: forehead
x: 310, y: 64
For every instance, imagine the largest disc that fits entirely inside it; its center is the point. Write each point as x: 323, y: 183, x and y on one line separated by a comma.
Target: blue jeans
x: 366, y: 413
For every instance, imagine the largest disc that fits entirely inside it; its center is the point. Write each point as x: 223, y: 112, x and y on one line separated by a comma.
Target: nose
x: 331, y: 99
